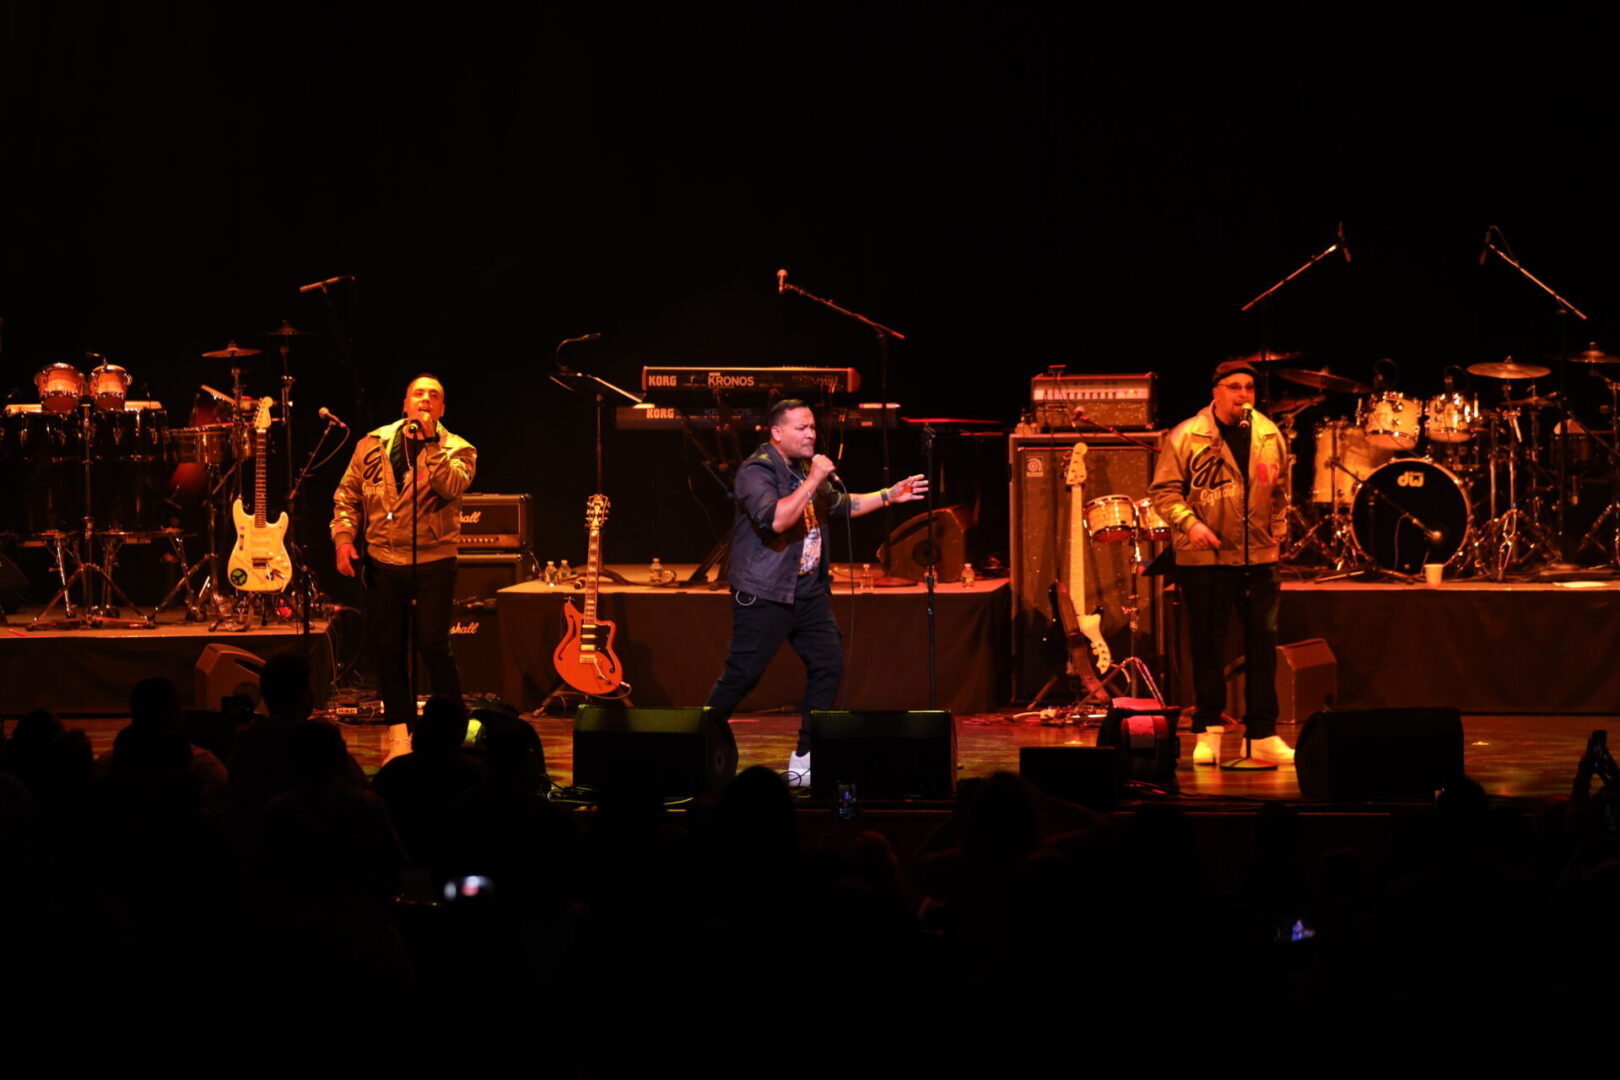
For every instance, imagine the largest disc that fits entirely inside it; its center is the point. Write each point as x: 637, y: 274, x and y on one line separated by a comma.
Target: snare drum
x: 1392, y: 421
x: 60, y: 387
x: 209, y: 444
x: 1453, y: 418
x: 1342, y: 440
x: 109, y: 385
x: 1149, y: 521
x: 1111, y: 518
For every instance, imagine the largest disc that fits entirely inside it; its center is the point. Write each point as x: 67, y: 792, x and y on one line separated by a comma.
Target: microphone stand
x: 1565, y: 309
x: 1337, y: 245
x: 884, y: 334
x: 1247, y: 763
x: 930, y: 568
x: 571, y: 380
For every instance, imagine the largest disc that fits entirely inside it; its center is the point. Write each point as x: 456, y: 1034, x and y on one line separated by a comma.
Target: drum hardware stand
x: 1611, y: 448
x: 193, y: 600
x: 90, y: 616
x: 303, y: 584
x: 1515, y: 536
x: 1565, y: 309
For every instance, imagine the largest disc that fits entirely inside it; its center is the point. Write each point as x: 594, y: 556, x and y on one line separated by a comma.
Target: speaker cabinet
x: 681, y: 752
x: 1307, y: 681
x: 1041, y: 524
x: 886, y: 754
x: 907, y: 553
x: 475, y: 638
x: 224, y: 671
x: 1361, y: 754
x: 482, y: 574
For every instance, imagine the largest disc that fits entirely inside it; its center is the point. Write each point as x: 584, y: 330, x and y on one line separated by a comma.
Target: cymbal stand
x: 1612, y: 511
x: 1512, y: 537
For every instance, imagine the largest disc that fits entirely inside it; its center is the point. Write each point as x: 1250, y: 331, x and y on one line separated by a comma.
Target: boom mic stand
x: 1565, y: 309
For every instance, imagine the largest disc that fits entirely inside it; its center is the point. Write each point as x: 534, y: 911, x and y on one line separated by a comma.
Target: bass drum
x: 1410, y: 512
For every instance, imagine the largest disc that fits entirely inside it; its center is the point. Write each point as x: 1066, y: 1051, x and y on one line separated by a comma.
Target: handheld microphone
x: 781, y: 282
x: 1245, y: 412
x: 322, y: 284
x: 330, y: 417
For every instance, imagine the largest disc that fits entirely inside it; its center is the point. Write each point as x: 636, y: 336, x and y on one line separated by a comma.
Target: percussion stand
x: 1613, y: 509
x: 90, y: 617
x: 303, y: 576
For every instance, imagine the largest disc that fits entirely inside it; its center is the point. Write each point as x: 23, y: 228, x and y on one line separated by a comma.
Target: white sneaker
x: 1272, y: 748
x: 798, y: 771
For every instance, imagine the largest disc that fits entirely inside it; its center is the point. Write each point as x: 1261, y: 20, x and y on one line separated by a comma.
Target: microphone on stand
x: 1342, y: 246
x: 781, y: 282
x: 1485, y: 244
x: 322, y: 284
x: 330, y: 417
x: 1245, y: 412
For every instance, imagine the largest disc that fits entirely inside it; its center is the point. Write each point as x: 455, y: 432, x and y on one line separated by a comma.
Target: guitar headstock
x: 1075, y: 474
x: 596, y: 511
x: 261, y: 422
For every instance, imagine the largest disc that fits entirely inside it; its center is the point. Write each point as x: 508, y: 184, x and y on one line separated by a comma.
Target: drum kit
x: 1471, y: 481
x: 89, y: 470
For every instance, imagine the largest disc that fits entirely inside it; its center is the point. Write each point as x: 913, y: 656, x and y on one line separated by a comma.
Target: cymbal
x: 1595, y: 355
x: 230, y: 352
x: 947, y: 420
x: 1323, y: 380
x: 287, y: 329
x: 1509, y: 370
x: 1537, y: 401
x: 1288, y: 406
x: 1267, y: 357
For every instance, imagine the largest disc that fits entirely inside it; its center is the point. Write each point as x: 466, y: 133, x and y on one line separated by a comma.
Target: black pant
x: 1208, y: 595
x: 758, y: 628
x: 390, y: 610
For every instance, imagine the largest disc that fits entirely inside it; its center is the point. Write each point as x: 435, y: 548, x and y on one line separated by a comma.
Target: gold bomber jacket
x: 1197, y: 479
x: 368, y: 504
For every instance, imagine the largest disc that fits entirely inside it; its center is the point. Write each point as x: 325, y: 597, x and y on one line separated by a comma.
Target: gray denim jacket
x: 764, y: 562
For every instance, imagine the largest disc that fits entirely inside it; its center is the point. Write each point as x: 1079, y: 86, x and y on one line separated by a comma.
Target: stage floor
x: 1510, y: 756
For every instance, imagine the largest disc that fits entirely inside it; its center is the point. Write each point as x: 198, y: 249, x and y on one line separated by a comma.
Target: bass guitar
x: 259, y: 561
x: 1089, y: 655
x: 584, y: 657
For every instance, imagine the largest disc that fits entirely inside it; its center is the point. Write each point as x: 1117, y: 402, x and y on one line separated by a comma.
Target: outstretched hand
x: 910, y: 489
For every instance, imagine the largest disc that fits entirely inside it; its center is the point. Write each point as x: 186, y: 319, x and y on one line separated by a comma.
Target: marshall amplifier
x: 496, y: 522
x: 482, y: 574
x: 475, y: 639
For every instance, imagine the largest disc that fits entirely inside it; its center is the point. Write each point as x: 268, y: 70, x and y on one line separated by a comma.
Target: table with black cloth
x: 672, y: 644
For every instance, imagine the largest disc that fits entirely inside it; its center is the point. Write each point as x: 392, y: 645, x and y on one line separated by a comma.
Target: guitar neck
x: 260, y: 472
x: 1076, y: 576
x: 593, y: 563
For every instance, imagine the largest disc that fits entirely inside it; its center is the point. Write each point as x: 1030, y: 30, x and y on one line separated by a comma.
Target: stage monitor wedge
x: 681, y: 751
x: 1364, y: 754
x: 886, y: 754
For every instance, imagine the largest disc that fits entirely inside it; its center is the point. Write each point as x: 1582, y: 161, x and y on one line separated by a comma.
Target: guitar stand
x: 563, y: 694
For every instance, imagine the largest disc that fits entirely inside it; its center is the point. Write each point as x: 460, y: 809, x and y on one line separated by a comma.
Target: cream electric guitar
x: 259, y: 561
x: 1089, y: 656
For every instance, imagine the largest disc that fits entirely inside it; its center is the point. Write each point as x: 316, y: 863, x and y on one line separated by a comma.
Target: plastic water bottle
x: 864, y: 582
x: 549, y: 574
x: 565, y: 574
x: 655, y: 572
x: 967, y: 573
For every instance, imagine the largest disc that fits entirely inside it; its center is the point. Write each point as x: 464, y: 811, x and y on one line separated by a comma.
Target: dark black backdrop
x: 1010, y: 187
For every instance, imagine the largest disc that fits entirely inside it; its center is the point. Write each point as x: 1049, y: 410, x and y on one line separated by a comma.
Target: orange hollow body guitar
x: 584, y: 657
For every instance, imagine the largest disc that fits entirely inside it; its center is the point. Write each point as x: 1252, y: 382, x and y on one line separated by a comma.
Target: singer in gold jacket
x: 1222, y: 485
x: 417, y: 456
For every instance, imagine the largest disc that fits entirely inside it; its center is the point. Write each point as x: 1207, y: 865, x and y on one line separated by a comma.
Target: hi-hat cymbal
x: 230, y: 352
x: 1323, y: 380
x: 1537, y: 401
x: 1266, y: 357
x: 1594, y: 355
x: 1509, y: 370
